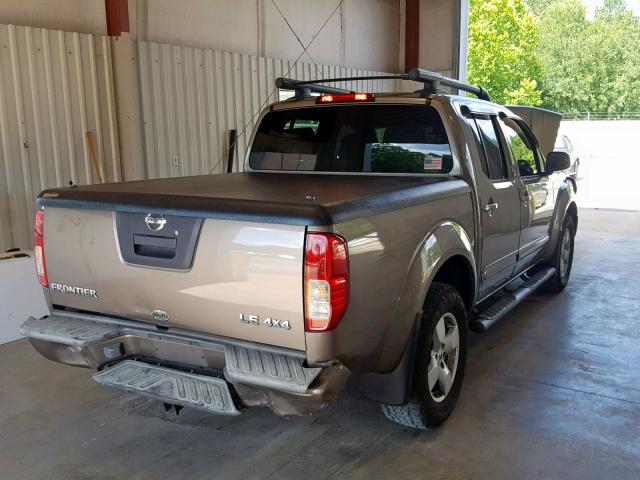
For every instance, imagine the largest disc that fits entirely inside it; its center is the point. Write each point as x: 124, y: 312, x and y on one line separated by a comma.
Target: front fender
x: 565, y: 197
x: 446, y: 240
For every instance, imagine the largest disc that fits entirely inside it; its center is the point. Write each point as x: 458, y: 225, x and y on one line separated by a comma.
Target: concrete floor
x: 551, y: 392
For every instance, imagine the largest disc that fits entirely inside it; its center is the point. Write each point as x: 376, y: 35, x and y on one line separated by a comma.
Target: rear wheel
x: 440, y: 361
x: 562, y: 258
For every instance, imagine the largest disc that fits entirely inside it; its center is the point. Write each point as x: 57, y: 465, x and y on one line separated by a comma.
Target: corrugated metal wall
x: 192, y: 97
x: 54, y: 87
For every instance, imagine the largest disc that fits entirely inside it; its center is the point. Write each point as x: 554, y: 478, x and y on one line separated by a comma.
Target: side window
x: 497, y: 169
x: 521, y: 151
x: 568, y: 143
x: 478, y: 142
x: 563, y: 143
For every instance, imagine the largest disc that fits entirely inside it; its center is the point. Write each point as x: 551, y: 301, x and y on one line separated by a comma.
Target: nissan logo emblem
x: 160, y: 315
x: 155, y: 223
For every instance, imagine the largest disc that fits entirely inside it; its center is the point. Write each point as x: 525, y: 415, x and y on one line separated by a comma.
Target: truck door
x: 499, y: 198
x: 537, y: 196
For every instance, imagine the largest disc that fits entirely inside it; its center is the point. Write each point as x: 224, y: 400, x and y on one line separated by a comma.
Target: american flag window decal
x: 432, y: 162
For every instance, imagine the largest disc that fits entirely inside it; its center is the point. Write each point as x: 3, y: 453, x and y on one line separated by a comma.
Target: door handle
x: 490, y: 208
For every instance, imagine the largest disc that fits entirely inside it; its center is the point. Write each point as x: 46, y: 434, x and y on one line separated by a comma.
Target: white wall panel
x: 54, y: 87
x: 192, y: 98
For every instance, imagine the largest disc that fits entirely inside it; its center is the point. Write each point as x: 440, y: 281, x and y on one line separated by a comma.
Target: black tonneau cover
x: 297, y: 199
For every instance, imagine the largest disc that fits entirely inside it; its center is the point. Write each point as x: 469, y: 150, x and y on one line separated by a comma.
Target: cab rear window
x: 353, y: 138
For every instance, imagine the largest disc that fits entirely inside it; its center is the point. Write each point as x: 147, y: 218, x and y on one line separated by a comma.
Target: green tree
x: 538, y: 7
x: 590, y: 65
x: 502, y: 55
x: 561, y: 50
x: 614, y: 10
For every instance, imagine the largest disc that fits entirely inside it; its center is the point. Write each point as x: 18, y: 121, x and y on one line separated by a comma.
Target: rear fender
x: 445, y: 241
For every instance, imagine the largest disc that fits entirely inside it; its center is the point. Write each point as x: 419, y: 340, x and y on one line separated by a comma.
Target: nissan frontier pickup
x: 367, y: 234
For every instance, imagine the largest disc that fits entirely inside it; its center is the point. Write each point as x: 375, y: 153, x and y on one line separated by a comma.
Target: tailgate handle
x: 154, y: 246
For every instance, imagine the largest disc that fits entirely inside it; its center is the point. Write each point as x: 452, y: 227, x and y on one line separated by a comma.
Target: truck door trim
x: 533, y: 246
x: 497, y: 265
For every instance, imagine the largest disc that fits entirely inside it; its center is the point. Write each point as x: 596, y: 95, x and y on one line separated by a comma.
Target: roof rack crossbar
x: 432, y: 82
x: 305, y: 89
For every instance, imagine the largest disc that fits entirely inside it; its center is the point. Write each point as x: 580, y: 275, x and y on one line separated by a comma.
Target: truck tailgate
x: 108, y: 262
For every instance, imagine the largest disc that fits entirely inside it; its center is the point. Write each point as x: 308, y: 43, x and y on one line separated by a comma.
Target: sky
x: 592, y: 4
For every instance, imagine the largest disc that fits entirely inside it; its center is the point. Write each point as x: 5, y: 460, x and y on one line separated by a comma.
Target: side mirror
x: 557, y: 161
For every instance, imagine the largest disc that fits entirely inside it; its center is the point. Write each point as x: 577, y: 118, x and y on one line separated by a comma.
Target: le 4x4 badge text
x: 267, y: 322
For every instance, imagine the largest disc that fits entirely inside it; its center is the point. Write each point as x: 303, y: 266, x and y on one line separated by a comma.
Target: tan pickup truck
x: 366, y: 236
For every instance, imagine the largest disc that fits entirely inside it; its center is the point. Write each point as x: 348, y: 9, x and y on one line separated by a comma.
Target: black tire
x: 423, y: 411
x: 557, y: 283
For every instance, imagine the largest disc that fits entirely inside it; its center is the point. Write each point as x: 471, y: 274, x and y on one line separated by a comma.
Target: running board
x: 487, y: 318
x: 171, y: 386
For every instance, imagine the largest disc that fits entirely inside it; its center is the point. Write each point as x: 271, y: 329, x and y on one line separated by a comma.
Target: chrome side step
x: 488, y: 317
x: 210, y: 394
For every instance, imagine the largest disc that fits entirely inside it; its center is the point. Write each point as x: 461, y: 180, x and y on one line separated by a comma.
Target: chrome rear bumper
x: 260, y: 375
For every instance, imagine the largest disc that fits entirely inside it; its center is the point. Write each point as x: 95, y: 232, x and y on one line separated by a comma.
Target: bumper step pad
x: 269, y: 369
x: 170, y: 386
x: 68, y: 330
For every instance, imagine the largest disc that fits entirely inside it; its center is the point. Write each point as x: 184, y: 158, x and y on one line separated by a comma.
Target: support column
x: 124, y: 56
x: 261, y: 48
x: 117, y: 13
x: 412, y: 35
x: 463, y: 39
x: 444, y: 36
x: 343, y: 35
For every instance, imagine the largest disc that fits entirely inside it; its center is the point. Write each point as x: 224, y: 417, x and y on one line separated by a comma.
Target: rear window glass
x: 356, y: 138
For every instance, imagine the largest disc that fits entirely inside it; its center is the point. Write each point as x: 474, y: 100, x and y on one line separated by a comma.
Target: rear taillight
x: 38, y: 249
x: 326, y: 281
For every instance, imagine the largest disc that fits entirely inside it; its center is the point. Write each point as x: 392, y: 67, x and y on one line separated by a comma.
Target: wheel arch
x: 572, y: 211
x: 458, y: 272
x: 565, y: 205
x: 446, y: 247
x: 439, y: 257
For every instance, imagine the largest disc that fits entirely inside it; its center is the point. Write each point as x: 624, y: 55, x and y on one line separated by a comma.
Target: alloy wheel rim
x: 443, y: 363
x: 565, y: 252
